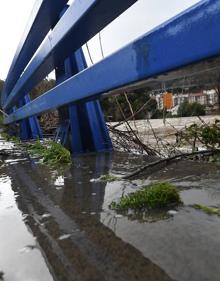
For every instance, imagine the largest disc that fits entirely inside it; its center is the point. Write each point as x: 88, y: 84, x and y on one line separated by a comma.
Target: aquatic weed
x: 155, y: 196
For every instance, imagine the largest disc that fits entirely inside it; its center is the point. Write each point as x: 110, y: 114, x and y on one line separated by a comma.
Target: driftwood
x: 169, y: 159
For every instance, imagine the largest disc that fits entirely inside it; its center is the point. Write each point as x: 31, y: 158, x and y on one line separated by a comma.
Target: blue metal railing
x: 45, y: 14
x: 188, y: 38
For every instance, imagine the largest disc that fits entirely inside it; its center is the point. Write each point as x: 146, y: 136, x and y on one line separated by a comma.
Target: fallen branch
x: 169, y: 159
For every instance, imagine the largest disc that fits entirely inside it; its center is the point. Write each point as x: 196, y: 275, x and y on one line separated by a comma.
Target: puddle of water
x: 209, y: 197
x: 20, y: 258
x: 82, y: 239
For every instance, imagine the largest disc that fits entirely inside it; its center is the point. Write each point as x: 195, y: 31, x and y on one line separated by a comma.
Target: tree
x: 187, y: 109
x: 133, y: 100
x: 44, y: 86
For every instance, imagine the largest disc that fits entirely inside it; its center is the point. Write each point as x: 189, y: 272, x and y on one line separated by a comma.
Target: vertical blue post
x: 29, y: 128
x: 87, y: 131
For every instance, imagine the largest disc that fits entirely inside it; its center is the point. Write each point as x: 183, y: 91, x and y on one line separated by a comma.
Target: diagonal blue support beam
x: 45, y: 15
x: 82, y: 20
x: 89, y: 132
x: 83, y: 125
x: 188, y: 38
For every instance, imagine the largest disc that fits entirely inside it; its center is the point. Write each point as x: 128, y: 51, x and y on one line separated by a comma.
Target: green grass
x: 7, y: 137
x: 207, y: 210
x: 51, y: 154
x: 155, y: 196
x: 37, y: 148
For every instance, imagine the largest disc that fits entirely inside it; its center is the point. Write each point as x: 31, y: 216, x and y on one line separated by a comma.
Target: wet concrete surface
x: 57, y: 225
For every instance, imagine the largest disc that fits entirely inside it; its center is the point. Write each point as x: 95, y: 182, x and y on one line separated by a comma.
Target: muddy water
x: 56, y: 225
x: 165, y: 129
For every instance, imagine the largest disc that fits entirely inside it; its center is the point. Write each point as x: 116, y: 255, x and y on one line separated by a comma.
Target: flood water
x: 57, y: 225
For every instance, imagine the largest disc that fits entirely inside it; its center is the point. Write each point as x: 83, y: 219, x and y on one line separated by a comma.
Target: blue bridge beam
x: 82, y: 126
x: 188, y: 38
x: 82, y: 20
x: 45, y: 15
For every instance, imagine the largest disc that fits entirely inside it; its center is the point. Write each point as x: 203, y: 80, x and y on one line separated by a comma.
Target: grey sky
x: 140, y: 18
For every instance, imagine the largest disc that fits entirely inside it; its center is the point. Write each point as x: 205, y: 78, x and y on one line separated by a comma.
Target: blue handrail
x: 190, y: 37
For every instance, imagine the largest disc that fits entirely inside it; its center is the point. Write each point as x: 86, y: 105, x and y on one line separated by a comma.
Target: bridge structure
x: 53, y: 40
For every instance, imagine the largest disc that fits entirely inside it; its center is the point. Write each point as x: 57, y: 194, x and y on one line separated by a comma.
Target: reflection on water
x: 18, y: 247
x: 82, y: 239
x: 20, y: 256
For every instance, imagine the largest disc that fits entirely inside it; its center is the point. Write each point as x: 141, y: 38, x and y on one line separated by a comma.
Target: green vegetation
x: 155, y: 196
x: 207, y: 210
x: 51, y: 154
x: 37, y: 148
x: 108, y: 178
x: 211, y: 134
x: 187, y: 109
x: 7, y: 137
x: 207, y: 134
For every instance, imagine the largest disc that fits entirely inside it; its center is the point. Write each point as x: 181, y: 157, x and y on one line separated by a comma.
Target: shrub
x: 207, y: 134
x: 187, y: 109
x: 210, y: 135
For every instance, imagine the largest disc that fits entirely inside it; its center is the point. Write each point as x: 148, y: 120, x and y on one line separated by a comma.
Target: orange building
x: 168, y: 100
